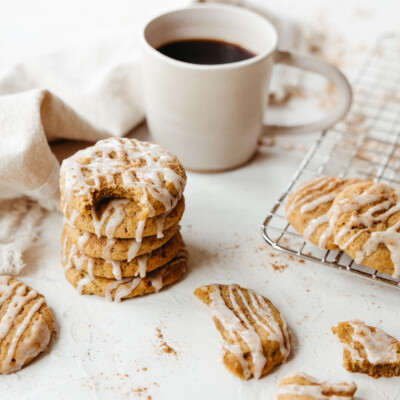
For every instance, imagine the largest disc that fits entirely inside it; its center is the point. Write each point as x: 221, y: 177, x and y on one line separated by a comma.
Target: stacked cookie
x: 359, y: 217
x: 122, y: 201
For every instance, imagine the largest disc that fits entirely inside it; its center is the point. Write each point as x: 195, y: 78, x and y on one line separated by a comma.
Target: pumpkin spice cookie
x: 125, y: 288
x: 112, y: 218
x: 307, y: 208
x: 365, y: 221
x: 116, y: 249
x: 300, y: 386
x: 139, y: 266
x: 26, y: 324
x: 142, y: 172
x: 256, y: 337
x: 368, y: 350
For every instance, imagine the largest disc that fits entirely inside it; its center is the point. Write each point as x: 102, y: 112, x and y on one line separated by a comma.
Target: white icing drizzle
x: 332, y: 189
x: 389, y: 202
x: 142, y: 262
x: 40, y: 334
x: 124, y: 287
x: 316, y: 389
x: 30, y: 346
x: 18, y: 301
x: 116, y: 218
x: 379, y: 347
x: 313, y: 225
x: 90, y: 266
x: 83, y: 239
x: 231, y: 324
x: 240, y: 326
x: 77, y: 260
x: 134, y: 248
x: 83, y: 282
x: 139, y: 164
x: 111, y: 217
x: 253, y: 340
x: 111, y: 286
x: 6, y: 289
x: 328, y: 194
x: 20, y: 330
x: 72, y: 219
x: 139, y: 230
x: 276, y: 334
x: 116, y: 269
x: 312, y: 205
x: 157, y: 281
x: 106, y: 252
x: 313, y: 185
x: 160, y: 224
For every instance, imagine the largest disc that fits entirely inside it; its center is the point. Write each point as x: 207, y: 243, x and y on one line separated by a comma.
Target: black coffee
x: 205, y: 51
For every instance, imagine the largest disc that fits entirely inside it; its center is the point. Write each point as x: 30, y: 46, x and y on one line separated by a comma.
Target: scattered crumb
x: 279, y: 267
x: 165, y: 347
x: 141, y: 391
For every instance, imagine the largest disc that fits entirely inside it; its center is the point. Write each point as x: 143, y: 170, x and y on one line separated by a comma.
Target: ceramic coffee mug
x: 211, y: 116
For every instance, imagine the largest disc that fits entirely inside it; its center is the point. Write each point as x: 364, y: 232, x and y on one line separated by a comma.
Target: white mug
x: 211, y: 116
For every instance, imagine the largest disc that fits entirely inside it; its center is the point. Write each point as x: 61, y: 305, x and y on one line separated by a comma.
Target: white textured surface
x: 102, y: 348
x: 99, y: 342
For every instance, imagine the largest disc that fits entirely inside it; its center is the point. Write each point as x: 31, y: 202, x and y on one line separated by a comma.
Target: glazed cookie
x: 300, y: 386
x: 112, y: 219
x: 256, y: 337
x: 26, y: 324
x: 365, y: 220
x: 116, y: 290
x: 142, y: 172
x: 307, y: 209
x: 116, y: 249
x: 139, y: 266
x: 368, y: 350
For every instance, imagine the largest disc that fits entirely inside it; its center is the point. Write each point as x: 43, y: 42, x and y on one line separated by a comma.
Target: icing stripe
x: 238, y: 326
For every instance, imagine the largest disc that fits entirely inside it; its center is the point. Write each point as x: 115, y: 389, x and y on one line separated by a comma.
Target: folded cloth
x: 41, y: 71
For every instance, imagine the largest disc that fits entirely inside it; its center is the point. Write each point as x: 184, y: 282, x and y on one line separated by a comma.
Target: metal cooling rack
x: 366, y: 145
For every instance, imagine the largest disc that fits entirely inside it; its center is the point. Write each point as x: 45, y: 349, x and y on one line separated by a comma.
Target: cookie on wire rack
x: 365, y: 221
x: 308, y: 207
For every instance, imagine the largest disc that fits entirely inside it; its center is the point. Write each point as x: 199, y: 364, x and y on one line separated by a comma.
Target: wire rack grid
x: 366, y: 144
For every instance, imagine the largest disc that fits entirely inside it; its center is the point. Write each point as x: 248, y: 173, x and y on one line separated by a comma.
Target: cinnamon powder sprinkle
x: 165, y: 347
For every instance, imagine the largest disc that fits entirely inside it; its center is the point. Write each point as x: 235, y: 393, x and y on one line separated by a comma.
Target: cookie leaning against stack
x: 122, y: 201
x: 359, y: 217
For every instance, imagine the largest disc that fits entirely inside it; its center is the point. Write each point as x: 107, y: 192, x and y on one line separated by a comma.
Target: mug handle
x: 314, y: 64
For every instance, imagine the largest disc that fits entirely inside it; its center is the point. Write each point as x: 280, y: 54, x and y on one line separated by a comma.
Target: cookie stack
x: 362, y: 218
x: 122, y: 201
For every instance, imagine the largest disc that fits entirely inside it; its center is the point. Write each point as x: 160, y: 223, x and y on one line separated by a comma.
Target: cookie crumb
x: 279, y: 267
x: 165, y: 347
